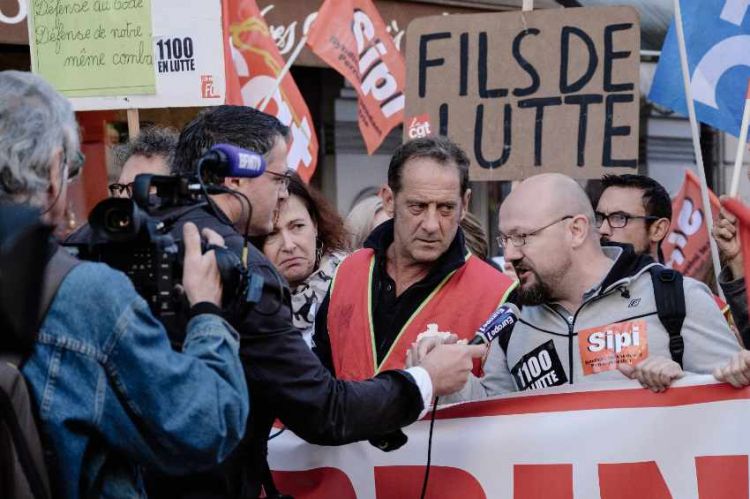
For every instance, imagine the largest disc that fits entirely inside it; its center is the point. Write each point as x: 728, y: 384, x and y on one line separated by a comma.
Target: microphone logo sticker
x: 249, y: 162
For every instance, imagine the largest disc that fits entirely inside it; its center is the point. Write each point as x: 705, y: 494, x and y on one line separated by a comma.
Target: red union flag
x: 351, y: 37
x: 687, y: 247
x: 256, y: 65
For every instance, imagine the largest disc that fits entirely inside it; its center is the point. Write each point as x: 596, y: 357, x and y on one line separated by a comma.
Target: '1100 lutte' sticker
x: 539, y: 368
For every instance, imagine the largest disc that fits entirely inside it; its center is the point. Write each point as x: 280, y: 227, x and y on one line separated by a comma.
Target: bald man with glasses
x: 589, y: 312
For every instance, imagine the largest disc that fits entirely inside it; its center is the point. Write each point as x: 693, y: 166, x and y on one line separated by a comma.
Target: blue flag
x: 717, y: 38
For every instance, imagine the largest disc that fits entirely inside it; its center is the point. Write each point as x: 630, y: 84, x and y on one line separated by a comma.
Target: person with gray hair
x: 364, y: 216
x: 110, y: 393
x: 151, y: 151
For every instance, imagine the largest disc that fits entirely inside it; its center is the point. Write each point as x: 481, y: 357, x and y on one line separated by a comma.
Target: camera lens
x: 116, y: 220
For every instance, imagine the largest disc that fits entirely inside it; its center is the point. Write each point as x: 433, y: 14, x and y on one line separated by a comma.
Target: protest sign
x: 529, y: 92
x: 182, y: 51
x: 616, y: 442
x: 686, y: 247
x: 93, y: 47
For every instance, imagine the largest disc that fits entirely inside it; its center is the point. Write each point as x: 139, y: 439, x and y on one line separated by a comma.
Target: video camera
x: 136, y: 236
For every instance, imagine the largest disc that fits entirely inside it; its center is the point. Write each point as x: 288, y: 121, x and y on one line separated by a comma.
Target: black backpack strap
x: 58, y: 266
x: 669, y: 294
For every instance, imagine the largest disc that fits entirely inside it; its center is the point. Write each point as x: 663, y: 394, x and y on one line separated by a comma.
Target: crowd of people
x: 349, y: 328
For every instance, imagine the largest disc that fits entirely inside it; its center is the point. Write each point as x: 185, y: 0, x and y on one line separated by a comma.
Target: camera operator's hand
x: 200, y: 277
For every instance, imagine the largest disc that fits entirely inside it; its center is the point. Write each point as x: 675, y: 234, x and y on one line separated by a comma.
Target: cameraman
x: 286, y: 379
x: 110, y: 392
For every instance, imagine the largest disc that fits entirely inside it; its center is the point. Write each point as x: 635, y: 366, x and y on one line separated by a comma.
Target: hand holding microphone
x: 449, y: 363
x: 502, y: 319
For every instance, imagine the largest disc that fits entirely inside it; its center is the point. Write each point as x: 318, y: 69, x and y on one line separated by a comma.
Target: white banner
x: 188, y: 59
x: 618, y: 442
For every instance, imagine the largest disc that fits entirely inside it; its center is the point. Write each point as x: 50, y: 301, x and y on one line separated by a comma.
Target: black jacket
x: 288, y: 382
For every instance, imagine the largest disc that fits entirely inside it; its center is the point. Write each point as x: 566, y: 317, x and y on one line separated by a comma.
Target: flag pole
x: 697, y: 143
x: 283, y: 72
x: 134, y: 123
x: 741, y: 146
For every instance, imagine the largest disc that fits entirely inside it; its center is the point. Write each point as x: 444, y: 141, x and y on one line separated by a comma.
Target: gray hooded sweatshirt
x: 617, y: 322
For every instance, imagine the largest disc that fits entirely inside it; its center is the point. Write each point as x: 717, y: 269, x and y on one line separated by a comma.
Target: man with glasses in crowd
x: 636, y: 210
x: 151, y: 151
x: 589, y: 312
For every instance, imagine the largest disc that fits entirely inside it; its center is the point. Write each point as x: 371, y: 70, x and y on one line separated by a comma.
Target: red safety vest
x: 459, y: 304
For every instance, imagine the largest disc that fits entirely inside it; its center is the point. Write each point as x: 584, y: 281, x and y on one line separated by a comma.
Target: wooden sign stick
x: 134, y: 123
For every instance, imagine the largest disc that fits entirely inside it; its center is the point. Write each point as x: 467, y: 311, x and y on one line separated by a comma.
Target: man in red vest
x: 414, y: 274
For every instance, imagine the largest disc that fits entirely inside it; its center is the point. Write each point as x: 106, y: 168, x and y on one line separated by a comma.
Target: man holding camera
x: 111, y: 394
x: 285, y: 378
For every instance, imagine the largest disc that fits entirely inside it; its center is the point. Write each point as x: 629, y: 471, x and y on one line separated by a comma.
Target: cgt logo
x: 419, y: 127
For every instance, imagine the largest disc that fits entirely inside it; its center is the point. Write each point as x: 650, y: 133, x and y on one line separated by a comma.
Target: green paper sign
x: 87, y: 48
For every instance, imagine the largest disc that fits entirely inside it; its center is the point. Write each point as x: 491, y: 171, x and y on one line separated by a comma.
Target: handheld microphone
x: 225, y: 160
x: 501, y: 319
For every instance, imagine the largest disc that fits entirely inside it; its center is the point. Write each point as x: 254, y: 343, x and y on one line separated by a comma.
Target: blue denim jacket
x: 112, y: 393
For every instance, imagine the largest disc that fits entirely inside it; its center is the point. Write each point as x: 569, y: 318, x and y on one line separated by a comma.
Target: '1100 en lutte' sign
x: 529, y: 92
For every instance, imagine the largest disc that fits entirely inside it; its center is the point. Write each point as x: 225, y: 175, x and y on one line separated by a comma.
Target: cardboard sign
x: 603, y: 348
x: 529, y: 92
x: 185, y: 47
x: 93, y: 48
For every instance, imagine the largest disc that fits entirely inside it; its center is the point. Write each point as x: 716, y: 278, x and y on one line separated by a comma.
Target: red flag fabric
x: 253, y: 69
x: 687, y: 247
x: 742, y: 212
x: 352, y: 38
x: 233, y: 95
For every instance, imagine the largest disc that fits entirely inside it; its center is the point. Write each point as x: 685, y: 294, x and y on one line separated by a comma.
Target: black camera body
x: 135, y: 237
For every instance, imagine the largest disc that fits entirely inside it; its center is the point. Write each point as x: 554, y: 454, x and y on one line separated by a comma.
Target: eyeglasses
x: 121, y: 190
x: 618, y: 219
x: 519, y: 240
x: 281, y: 178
